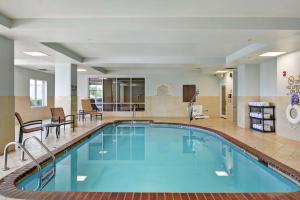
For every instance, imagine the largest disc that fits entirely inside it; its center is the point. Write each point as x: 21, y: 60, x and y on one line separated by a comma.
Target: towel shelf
x: 258, y: 119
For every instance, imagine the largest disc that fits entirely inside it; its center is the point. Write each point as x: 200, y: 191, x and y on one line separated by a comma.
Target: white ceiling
x: 146, y: 8
x: 142, y: 33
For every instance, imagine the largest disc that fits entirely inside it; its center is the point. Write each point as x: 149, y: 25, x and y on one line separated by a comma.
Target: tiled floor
x: 282, y: 149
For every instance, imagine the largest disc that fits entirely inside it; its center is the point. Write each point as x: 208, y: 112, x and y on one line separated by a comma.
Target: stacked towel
x: 259, y: 103
x: 260, y: 115
x: 260, y: 127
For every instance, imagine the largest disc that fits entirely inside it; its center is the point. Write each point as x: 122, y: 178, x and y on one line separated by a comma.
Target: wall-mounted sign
x: 284, y: 74
x: 293, y: 85
x: 73, y: 90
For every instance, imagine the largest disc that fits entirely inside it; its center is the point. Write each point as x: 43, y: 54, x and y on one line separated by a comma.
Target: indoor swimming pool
x: 145, y: 157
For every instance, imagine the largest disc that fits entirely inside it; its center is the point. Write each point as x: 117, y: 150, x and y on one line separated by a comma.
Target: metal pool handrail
x: 44, y: 146
x: 134, y: 113
x: 190, y: 106
x: 24, y: 150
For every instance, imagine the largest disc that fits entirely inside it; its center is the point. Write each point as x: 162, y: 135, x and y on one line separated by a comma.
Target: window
x: 96, y: 91
x: 38, y: 93
x: 118, y: 94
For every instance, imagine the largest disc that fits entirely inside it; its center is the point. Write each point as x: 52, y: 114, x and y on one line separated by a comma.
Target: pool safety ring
x: 293, y: 114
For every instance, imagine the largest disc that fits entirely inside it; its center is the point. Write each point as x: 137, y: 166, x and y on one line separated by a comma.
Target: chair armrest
x: 34, y: 122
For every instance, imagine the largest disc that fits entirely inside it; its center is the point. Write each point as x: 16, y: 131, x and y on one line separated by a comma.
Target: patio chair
x: 88, y: 109
x: 28, y: 127
x: 94, y: 106
x: 58, y: 116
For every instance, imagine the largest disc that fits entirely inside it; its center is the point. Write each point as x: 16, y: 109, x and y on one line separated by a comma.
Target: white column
x: 66, y: 87
x: 248, y: 90
x: 7, y: 101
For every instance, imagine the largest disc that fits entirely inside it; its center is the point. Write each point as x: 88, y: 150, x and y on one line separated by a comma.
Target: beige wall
x: 169, y: 106
x: 7, y: 126
x: 28, y: 113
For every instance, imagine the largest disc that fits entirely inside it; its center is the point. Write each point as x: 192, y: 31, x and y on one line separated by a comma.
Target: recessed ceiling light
x: 221, y: 72
x: 221, y: 173
x: 81, y: 178
x: 272, y: 54
x: 81, y: 70
x: 35, y: 53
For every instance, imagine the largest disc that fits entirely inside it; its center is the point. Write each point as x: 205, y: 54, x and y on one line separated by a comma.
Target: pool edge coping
x: 8, y: 183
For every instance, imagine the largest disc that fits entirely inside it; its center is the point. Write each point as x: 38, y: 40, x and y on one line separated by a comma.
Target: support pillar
x: 66, y: 87
x: 248, y: 90
x: 7, y: 100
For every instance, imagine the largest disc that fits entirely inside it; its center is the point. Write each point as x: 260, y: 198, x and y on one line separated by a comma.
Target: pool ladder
x: 43, y: 178
x: 24, y: 150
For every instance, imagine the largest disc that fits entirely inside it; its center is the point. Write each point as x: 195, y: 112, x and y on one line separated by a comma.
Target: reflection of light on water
x: 228, y: 157
x: 81, y: 178
x: 221, y: 173
x: 103, y: 152
x: 196, y: 145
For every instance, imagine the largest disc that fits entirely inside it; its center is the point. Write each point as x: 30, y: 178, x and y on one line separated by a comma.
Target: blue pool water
x: 159, y: 158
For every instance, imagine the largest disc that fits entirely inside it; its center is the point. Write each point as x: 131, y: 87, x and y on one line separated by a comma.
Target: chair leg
x: 56, y: 132
x: 41, y: 135
x: 73, y: 126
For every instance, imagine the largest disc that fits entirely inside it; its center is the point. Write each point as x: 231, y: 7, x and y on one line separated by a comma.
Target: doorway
x: 223, y: 102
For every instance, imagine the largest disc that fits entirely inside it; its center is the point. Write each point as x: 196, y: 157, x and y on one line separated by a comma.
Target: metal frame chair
x: 58, y: 116
x: 88, y: 109
x: 24, y: 127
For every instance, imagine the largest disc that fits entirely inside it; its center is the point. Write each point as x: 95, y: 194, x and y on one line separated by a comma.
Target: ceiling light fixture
x: 35, y: 53
x: 81, y: 70
x: 221, y: 72
x: 272, y: 54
